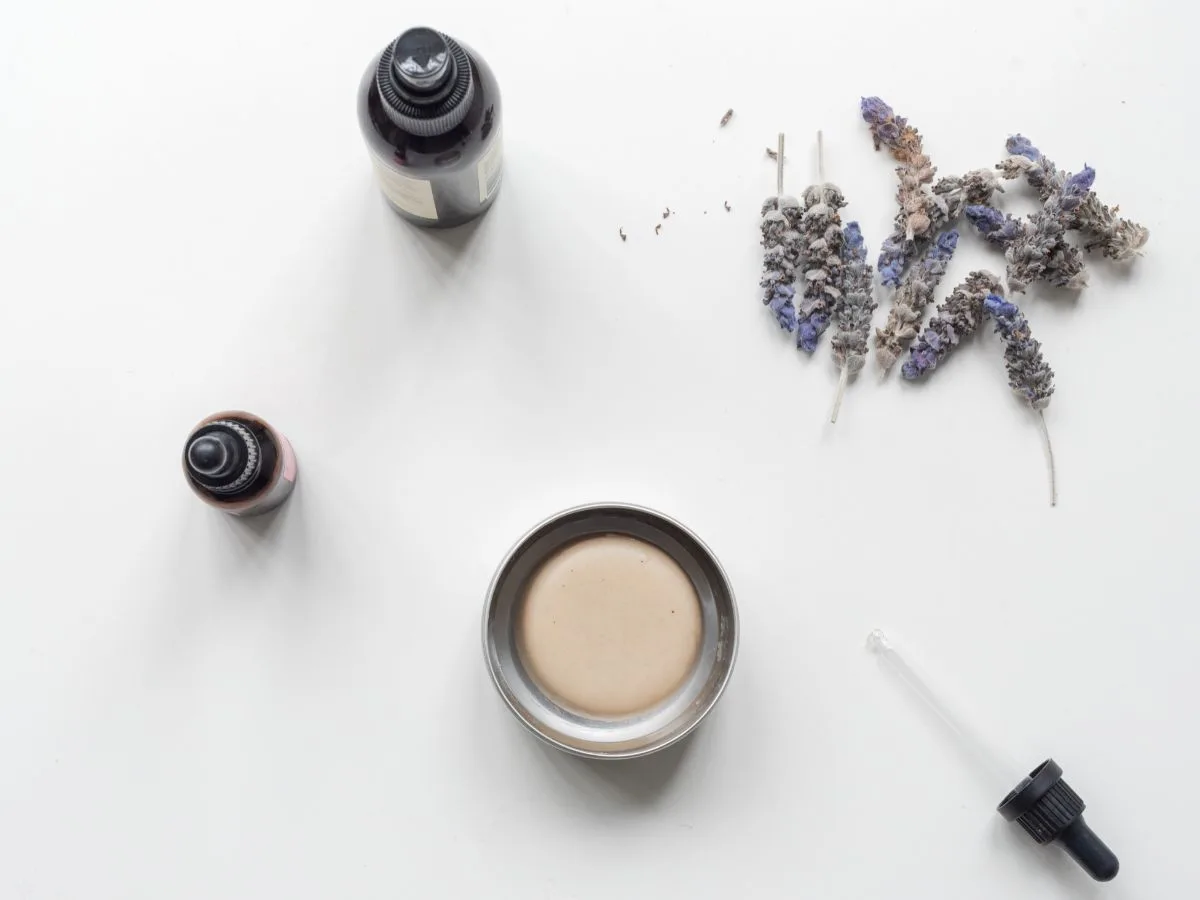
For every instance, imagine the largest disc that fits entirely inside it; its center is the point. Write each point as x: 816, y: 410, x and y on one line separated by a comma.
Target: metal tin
x: 647, y: 732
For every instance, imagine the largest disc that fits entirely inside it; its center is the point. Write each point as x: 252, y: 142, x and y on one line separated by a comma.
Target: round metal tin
x: 648, y: 731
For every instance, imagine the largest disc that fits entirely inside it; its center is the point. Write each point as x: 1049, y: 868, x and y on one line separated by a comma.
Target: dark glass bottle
x: 238, y: 463
x: 429, y: 110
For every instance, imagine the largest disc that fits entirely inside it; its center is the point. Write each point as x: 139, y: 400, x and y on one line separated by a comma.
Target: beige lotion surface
x: 610, y: 626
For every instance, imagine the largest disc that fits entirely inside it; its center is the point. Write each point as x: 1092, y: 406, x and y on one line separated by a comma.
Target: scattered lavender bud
x: 1039, y: 246
x: 915, y: 172
x: 1116, y: 238
x: 1064, y: 264
x: 1028, y: 374
x: 821, y: 227
x: 908, y: 306
x: 957, y: 317
x: 725, y: 118
x: 852, y: 316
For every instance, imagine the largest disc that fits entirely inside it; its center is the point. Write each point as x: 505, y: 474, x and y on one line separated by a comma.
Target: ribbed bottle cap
x: 1048, y: 810
x: 223, y: 457
x: 425, y: 82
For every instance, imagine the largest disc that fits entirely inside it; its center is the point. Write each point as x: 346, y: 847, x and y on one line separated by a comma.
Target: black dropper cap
x: 1046, y: 807
x: 424, y: 82
x: 223, y: 457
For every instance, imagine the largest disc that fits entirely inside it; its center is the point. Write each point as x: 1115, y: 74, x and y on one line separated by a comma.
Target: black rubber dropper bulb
x: 1049, y: 811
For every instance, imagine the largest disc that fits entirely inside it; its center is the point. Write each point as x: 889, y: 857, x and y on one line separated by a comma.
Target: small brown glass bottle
x: 236, y: 462
x: 429, y: 110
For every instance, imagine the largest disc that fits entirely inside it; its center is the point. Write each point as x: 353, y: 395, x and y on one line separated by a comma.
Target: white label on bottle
x: 489, y: 168
x: 413, y: 195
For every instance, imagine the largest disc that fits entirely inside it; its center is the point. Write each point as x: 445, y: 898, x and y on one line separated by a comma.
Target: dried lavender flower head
x: 885, y: 124
x: 821, y: 225
x: 853, y: 313
x: 908, y: 305
x: 781, y: 257
x: 957, y: 317
x: 922, y: 213
x: 1063, y: 262
x: 1117, y: 238
x: 1028, y: 374
x: 1037, y: 250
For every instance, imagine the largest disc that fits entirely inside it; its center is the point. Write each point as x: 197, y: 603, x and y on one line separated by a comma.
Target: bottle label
x: 413, y: 195
x: 490, y: 167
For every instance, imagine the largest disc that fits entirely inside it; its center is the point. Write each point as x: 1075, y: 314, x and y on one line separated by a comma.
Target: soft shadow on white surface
x: 633, y: 783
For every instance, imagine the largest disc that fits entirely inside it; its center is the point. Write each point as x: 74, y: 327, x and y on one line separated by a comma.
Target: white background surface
x: 193, y: 707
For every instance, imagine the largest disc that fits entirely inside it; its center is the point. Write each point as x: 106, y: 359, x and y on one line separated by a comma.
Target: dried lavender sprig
x: 957, y: 317
x: 781, y: 258
x: 853, y: 314
x: 1064, y: 264
x: 1117, y: 238
x: 821, y: 226
x: 908, y: 305
x: 1032, y: 252
x: 1028, y: 374
x: 915, y: 169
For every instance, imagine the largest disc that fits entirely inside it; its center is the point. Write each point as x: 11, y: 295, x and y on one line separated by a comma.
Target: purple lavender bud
x: 854, y: 247
x: 986, y: 219
x: 810, y: 329
x: 1076, y: 187
x: 998, y: 307
x: 885, y: 124
x: 997, y: 227
x: 1019, y: 145
x: 943, y: 248
x: 875, y: 111
x: 892, y: 260
x: 783, y: 308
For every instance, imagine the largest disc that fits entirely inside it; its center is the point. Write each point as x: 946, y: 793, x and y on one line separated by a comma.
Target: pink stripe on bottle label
x: 289, y: 459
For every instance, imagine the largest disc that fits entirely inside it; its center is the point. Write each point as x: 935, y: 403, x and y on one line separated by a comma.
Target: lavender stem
x: 1049, y: 457
x: 779, y: 168
x: 841, y: 390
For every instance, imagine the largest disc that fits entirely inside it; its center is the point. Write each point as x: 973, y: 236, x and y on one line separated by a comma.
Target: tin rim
x: 499, y: 682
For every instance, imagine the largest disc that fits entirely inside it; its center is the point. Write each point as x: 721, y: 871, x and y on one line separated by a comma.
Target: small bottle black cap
x: 425, y: 82
x: 213, y: 454
x: 1046, y: 807
x: 421, y: 60
x: 223, y: 457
